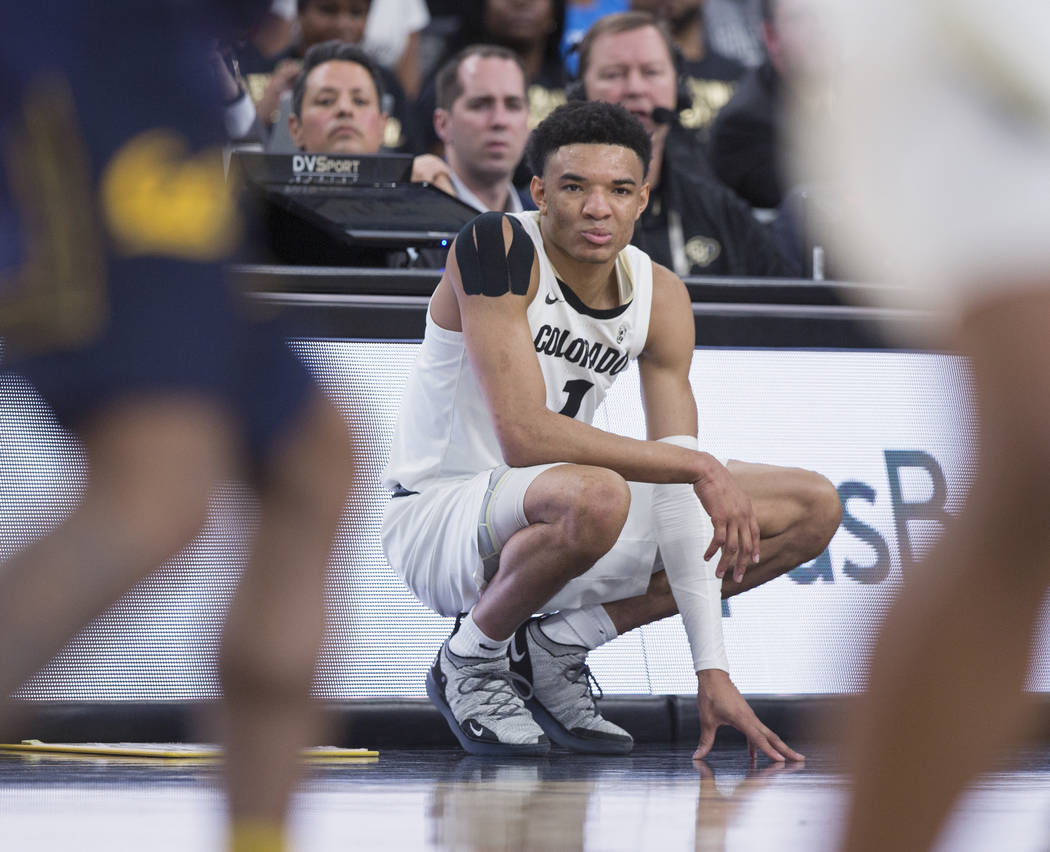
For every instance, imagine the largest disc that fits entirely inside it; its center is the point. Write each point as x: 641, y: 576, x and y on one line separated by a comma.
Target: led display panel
x: 894, y: 431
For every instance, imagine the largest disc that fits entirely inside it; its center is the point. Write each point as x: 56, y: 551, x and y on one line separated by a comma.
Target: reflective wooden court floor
x: 656, y: 798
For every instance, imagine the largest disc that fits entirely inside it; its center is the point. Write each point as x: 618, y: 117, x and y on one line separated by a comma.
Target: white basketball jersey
x: 444, y: 429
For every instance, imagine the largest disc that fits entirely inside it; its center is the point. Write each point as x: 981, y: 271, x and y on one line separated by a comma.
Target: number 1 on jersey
x: 576, y: 389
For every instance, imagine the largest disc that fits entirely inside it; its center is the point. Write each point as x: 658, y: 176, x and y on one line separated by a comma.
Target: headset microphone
x: 663, y: 115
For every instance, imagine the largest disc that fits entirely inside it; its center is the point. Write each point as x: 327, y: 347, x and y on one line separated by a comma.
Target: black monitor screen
x: 414, y: 211
x: 353, y: 201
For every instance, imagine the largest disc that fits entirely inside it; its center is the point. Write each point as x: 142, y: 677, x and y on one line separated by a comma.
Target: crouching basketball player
x: 507, y: 502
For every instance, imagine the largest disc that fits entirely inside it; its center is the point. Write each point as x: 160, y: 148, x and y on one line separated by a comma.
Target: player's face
x: 632, y: 69
x: 324, y: 20
x: 485, y: 130
x: 340, y: 112
x: 589, y: 197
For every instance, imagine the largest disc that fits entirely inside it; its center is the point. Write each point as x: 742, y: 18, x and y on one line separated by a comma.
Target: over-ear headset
x: 575, y: 91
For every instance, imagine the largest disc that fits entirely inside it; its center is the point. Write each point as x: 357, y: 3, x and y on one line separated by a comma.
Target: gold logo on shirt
x: 157, y: 199
x: 702, y: 251
x: 542, y: 102
x: 707, y: 97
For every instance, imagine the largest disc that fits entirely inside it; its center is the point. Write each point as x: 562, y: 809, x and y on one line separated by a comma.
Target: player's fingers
x: 707, y: 739
x: 783, y: 748
x: 771, y: 745
x: 717, y: 540
x: 766, y: 747
x: 756, y: 538
x: 730, y: 552
x: 746, y: 552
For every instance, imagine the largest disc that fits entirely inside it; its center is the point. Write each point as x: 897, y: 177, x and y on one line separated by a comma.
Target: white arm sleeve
x: 683, y: 532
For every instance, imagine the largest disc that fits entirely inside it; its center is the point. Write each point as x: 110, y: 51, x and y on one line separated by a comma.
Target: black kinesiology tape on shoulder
x: 485, y: 268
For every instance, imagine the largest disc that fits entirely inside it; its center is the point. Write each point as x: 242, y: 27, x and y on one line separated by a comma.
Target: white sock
x: 589, y: 626
x: 470, y: 641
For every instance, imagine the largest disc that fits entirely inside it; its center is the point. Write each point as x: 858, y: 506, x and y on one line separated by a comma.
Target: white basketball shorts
x: 431, y: 540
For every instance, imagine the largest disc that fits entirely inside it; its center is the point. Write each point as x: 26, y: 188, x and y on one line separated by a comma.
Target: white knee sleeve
x: 503, y: 513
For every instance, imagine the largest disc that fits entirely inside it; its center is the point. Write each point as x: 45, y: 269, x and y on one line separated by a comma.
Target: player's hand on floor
x: 720, y: 703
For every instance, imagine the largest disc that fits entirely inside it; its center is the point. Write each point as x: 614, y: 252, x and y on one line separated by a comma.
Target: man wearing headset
x: 693, y: 224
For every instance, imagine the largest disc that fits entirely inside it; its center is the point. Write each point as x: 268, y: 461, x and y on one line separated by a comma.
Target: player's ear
x: 295, y: 129
x: 643, y: 199
x: 536, y: 190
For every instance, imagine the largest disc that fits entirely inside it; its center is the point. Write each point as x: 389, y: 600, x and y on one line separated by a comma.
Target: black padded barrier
x: 390, y: 304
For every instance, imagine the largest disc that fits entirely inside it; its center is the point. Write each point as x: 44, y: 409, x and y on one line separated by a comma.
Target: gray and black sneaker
x: 479, y: 699
x: 562, y: 700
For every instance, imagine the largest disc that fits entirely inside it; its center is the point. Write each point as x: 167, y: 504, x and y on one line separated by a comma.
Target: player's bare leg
x: 152, y: 465
x: 576, y: 514
x: 274, y: 628
x: 947, y: 677
x: 798, y: 512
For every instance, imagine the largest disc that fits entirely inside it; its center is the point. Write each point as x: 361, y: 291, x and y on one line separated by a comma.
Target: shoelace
x: 501, y: 688
x: 581, y: 675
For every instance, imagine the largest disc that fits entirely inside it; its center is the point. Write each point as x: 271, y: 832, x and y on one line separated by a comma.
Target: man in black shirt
x: 693, y: 224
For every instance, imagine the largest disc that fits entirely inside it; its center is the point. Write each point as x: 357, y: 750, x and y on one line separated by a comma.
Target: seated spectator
x: 531, y: 29
x: 321, y: 21
x: 482, y: 120
x: 693, y: 224
x: 746, y: 139
x: 706, y: 77
x: 337, y: 109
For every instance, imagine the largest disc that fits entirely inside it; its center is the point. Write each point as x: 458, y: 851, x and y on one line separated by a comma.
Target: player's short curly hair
x: 587, y: 123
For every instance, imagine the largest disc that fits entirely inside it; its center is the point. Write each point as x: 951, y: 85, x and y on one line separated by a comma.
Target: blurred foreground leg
x: 947, y: 678
x: 275, y: 624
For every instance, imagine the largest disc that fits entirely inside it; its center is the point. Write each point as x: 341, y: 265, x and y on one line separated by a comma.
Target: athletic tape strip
x: 485, y: 267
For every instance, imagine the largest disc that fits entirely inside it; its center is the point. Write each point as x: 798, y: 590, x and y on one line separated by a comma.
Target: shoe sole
x: 557, y: 733
x: 479, y: 747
